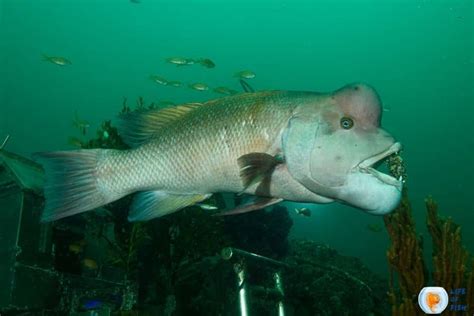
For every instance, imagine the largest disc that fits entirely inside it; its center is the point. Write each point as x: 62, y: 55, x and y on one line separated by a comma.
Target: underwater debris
x: 325, y: 282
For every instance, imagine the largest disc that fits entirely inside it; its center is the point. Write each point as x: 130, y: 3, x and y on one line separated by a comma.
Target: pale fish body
x: 159, y: 80
x: 180, y: 61
x: 245, y: 74
x: 277, y: 145
x: 199, y: 86
x: 60, y: 61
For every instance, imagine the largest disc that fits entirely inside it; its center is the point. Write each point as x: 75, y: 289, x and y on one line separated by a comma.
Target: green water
x: 417, y: 54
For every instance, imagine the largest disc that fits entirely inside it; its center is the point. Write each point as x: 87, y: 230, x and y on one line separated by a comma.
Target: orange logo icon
x: 433, y: 300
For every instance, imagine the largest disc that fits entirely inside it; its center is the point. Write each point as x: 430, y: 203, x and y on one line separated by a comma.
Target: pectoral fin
x: 257, y: 204
x: 255, y: 167
x: 151, y: 204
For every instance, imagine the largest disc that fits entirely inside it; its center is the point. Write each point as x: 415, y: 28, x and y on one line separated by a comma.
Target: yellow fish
x: 90, y: 264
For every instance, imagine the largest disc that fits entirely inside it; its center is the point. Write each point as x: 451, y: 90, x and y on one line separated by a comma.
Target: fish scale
x: 199, y: 153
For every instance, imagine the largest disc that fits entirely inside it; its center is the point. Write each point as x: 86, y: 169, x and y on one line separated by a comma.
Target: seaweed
x: 408, y: 271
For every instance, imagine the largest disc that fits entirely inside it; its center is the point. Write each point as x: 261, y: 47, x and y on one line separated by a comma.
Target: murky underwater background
x: 417, y: 54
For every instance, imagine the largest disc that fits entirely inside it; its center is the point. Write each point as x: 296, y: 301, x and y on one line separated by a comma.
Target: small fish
x: 90, y: 264
x: 245, y: 74
x: 180, y: 61
x: 80, y: 124
x: 159, y: 80
x: 225, y: 90
x: 376, y: 228
x: 206, y: 62
x: 105, y: 135
x: 303, y: 211
x: 75, y: 248
x: 60, y: 61
x: 175, y: 83
x: 199, y: 86
x: 207, y: 207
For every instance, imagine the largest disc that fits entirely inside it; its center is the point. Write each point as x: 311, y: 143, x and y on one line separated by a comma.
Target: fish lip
x: 366, y: 166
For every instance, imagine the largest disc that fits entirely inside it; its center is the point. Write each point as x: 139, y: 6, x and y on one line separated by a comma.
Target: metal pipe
x: 239, y: 270
x: 279, y: 288
x: 228, y: 252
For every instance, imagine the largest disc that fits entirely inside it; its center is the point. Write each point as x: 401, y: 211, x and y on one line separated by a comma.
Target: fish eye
x: 347, y: 123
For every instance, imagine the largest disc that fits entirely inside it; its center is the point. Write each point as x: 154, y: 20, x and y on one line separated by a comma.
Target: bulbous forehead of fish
x: 361, y: 102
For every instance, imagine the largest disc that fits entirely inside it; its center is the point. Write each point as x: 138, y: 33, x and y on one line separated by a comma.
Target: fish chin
x: 373, y: 193
x: 369, y: 189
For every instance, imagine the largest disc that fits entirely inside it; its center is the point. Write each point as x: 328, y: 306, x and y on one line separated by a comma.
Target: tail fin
x: 71, y: 182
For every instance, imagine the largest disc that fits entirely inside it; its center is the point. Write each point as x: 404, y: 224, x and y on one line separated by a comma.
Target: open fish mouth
x: 366, y: 166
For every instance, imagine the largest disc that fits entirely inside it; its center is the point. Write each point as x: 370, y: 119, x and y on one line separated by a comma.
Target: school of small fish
x: 179, y: 62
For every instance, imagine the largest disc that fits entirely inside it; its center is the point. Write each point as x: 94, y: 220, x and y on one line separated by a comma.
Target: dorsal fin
x: 138, y: 127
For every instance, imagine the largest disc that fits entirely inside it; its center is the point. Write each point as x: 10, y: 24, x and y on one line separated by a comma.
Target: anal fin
x: 257, y: 204
x: 151, y: 204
